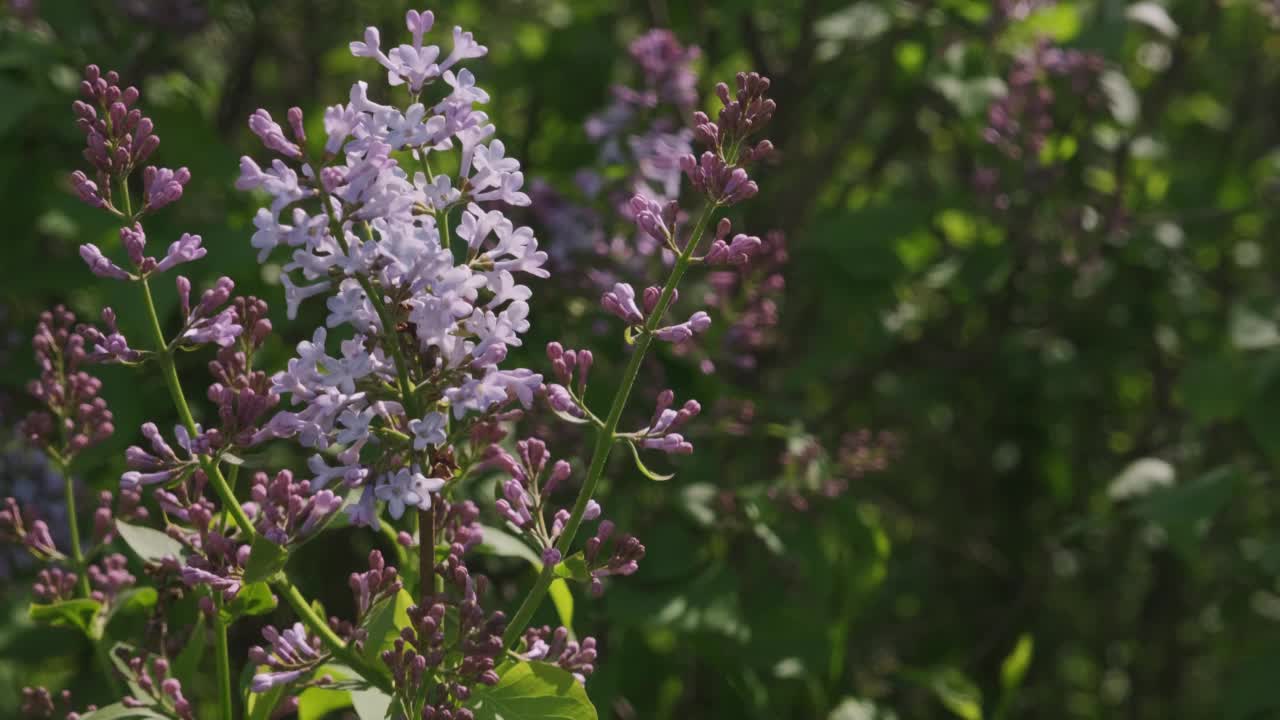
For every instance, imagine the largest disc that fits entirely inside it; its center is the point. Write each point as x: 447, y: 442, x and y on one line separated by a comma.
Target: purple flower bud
x: 698, y: 322
x: 551, y: 557
x: 621, y: 301
x: 100, y: 265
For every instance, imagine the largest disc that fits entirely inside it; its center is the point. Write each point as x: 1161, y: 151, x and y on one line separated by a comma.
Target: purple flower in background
x: 74, y: 417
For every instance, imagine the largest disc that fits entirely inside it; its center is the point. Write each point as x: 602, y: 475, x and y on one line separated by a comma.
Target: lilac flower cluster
x: 660, y: 433
x: 451, y: 645
x: 545, y: 645
x: 525, y: 496
x: 286, y: 512
x: 1039, y: 83
x: 374, y: 585
x: 118, y: 140
x: 34, y: 489
x: 75, y: 417
x: 810, y: 474
x: 293, y: 653
x: 750, y: 293
x: 155, y: 688
x: 645, y: 130
x: 40, y: 704
x: 526, y: 500
x: 374, y: 238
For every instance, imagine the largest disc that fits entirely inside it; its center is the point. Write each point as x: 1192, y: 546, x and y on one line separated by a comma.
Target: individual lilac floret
x: 74, y: 417
x: 545, y: 645
x: 407, y: 488
x: 153, y: 687
x: 291, y: 653
x: 287, y: 511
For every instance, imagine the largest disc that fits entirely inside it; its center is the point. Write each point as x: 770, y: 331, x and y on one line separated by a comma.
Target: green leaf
x: 253, y: 599
x: 258, y: 706
x: 533, y: 691
x: 503, y: 544
x: 316, y: 703
x: 384, y: 624
x: 370, y: 704
x: 1184, y: 511
x: 187, y: 664
x: 573, y: 567
x: 78, y: 613
x: 265, y: 560
x: 118, y: 711
x: 1211, y: 389
x: 644, y: 470
x: 123, y: 668
x: 1014, y: 667
x: 148, y: 543
x: 563, y: 600
x: 954, y: 690
x: 129, y: 612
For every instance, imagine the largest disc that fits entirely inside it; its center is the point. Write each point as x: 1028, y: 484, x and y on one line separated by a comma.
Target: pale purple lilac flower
x: 355, y: 220
x: 290, y: 654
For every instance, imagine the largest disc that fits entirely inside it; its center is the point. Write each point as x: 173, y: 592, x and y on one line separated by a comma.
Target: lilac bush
x: 401, y: 220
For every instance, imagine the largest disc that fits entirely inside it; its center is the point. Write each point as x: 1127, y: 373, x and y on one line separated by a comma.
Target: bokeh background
x: 1008, y: 443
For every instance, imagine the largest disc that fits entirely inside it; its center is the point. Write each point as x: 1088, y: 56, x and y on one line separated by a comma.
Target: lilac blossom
x: 545, y: 645
x: 366, y: 233
x: 75, y: 417
x: 435, y: 669
x: 287, y: 511
x: 290, y: 654
x: 153, y: 687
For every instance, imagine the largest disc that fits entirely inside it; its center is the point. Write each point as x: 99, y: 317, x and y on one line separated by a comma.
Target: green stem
x: 316, y: 624
x: 339, y: 649
x: 165, y: 357
x: 82, y: 567
x: 73, y: 522
x: 606, y: 434
x: 223, y: 659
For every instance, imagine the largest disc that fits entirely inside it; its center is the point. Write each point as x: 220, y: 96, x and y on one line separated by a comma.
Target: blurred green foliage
x: 1014, y: 561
